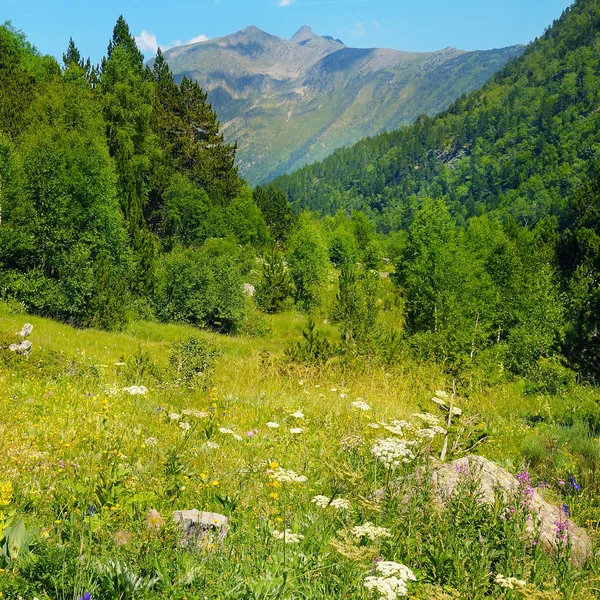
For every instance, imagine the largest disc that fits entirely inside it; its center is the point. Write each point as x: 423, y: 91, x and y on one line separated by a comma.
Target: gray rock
x: 23, y: 347
x: 249, y: 290
x: 446, y: 476
x: 27, y: 329
x: 199, y: 528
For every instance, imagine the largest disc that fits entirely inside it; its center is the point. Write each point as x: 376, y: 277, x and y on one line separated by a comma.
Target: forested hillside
x: 514, y: 163
x: 112, y: 178
x: 521, y: 145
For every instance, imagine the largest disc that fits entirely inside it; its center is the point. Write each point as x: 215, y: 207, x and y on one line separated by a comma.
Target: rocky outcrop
x: 200, y: 528
x: 554, y: 526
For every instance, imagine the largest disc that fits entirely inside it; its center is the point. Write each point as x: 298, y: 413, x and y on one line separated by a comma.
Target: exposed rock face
x: 446, y: 476
x: 292, y: 102
x: 199, y: 528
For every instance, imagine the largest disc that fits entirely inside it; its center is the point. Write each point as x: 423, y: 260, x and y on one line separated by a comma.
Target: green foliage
x: 275, y: 285
x: 308, y: 260
x: 194, y: 361
x: 314, y: 349
x: 276, y: 211
x: 199, y: 288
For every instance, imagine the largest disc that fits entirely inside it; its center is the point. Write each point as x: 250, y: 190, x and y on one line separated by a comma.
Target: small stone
x: 23, y: 347
x: 200, y: 528
x: 27, y: 329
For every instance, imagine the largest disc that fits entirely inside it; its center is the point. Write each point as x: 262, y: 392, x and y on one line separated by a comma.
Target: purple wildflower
x: 574, y: 484
x: 87, y: 596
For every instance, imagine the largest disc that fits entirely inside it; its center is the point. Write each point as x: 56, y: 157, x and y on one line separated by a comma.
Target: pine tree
x: 122, y: 38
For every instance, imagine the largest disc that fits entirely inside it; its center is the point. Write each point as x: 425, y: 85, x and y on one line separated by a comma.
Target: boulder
x: 200, y: 528
x: 23, y: 347
x: 446, y: 476
x: 26, y: 330
x: 249, y: 290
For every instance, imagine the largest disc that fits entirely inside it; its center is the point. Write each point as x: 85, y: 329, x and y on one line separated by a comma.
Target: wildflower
x: 340, y: 504
x: 574, y: 484
x: 122, y: 538
x: 369, y: 531
x: 174, y: 417
x: 361, y: 405
x: 285, y: 476
x: 511, y: 583
x: 343, y: 395
x: 431, y: 432
x: 225, y: 430
x: 150, y: 442
x: 192, y: 412
x: 252, y: 433
x: 442, y: 394
x: 427, y: 418
x: 272, y: 425
x: 86, y: 596
x: 297, y: 415
x: 373, y: 425
x: 212, y: 445
x: 301, y: 382
x: 321, y: 501
x: 334, y: 389
x: 352, y: 442
x: 391, y: 452
x: 6, y: 493
x: 287, y: 536
x: 388, y: 568
x: 136, y: 390
x: 296, y: 430
x: 154, y: 520
x: 185, y: 426
x: 396, y: 427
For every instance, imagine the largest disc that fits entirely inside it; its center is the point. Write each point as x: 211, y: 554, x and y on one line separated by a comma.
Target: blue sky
x: 415, y: 26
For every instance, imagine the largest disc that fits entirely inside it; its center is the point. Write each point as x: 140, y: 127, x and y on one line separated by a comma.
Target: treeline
x: 113, y: 182
x: 516, y: 166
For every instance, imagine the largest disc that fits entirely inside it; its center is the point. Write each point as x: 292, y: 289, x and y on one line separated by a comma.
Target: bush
x: 200, y: 288
x: 193, y: 361
x: 275, y: 286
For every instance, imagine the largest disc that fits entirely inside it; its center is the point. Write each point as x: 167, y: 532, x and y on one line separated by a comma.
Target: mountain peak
x: 303, y: 35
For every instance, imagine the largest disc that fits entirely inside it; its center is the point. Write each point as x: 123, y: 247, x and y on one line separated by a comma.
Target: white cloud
x: 146, y: 42
x: 286, y: 3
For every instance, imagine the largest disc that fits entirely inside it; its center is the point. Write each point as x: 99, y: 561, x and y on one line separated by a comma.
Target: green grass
x: 72, y: 440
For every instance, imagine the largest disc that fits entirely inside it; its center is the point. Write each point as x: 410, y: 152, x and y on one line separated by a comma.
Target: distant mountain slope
x: 522, y: 145
x: 292, y: 102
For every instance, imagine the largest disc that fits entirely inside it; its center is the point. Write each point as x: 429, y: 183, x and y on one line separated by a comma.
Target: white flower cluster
x: 212, y: 445
x: 272, y: 425
x: 228, y: 431
x: 136, y: 390
x: 192, y: 412
x: 392, y: 452
x: 150, y: 442
x: 287, y: 536
x: 185, y: 426
x: 431, y: 432
x: 396, y: 427
x: 297, y: 415
x: 512, y: 583
x: 361, y: 405
x: 285, y: 476
x: 428, y: 418
x: 296, y: 430
x: 370, y: 531
x: 456, y: 412
x: 391, y: 580
x: 337, y: 503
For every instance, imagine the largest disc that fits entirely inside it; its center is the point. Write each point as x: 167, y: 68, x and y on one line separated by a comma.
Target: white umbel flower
x: 287, y: 536
x: 370, y: 531
x: 392, y: 452
x: 361, y: 405
x: 286, y: 476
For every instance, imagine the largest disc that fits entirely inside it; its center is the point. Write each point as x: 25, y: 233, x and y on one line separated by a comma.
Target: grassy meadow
x: 91, y: 474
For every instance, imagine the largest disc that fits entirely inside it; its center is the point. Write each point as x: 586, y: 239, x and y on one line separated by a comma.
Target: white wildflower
x: 301, y: 382
x: 373, y: 425
x: 174, y: 417
x: 334, y: 389
x: 511, y: 583
x: 285, y: 476
x: 212, y: 445
x: 272, y: 425
x: 297, y: 415
x: 225, y: 430
x: 391, y: 581
x: 442, y: 394
x: 340, y: 504
x: 391, y: 452
x: 287, y: 536
x: 192, y: 412
x: 370, y: 531
x: 431, y: 432
x: 396, y: 427
x: 296, y: 430
x: 387, y: 568
x: 343, y: 395
x: 361, y: 405
x: 150, y: 442
x: 321, y: 501
x: 185, y: 426
x: 136, y: 390
x: 238, y: 437
x: 427, y: 418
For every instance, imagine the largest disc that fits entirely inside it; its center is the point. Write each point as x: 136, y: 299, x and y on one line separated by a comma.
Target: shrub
x: 193, y: 361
